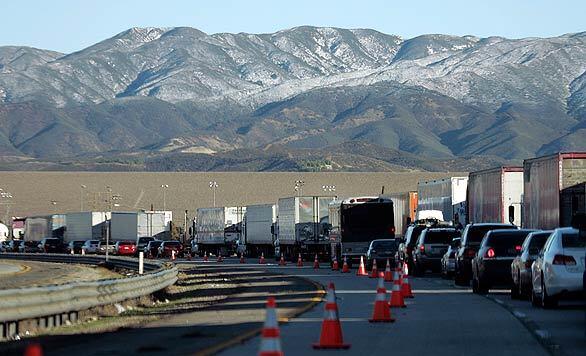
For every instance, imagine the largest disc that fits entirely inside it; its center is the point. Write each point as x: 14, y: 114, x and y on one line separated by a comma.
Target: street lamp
x: 165, y: 187
x: 328, y: 188
x: 6, y: 196
x: 214, y: 187
x: 298, y: 187
x: 81, y: 188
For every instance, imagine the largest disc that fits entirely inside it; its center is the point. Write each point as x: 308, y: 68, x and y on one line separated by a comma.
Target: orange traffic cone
x: 331, y: 330
x: 33, y: 350
x: 388, y: 273
x: 282, y: 261
x: 262, y: 259
x: 406, y: 286
x: 205, y: 257
x: 299, y: 261
x: 270, y: 343
x: 374, y: 272
x: 220, y: 258
x: 242, y: 260
x: 397, y: 300
x: 345, y: 267
x: 335, y: 266
x: 316, y: 262
x: 361, y: 269
x: 382, y: 311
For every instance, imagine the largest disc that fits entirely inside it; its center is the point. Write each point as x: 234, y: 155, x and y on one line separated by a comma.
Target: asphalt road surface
x: 440, y: 320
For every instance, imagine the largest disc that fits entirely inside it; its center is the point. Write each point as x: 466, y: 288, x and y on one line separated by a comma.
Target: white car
x: 557, y: 271
x: 91, y: 246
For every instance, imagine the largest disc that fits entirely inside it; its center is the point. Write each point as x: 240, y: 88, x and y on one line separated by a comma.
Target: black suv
x: 471, y: 238
x: 51, y: 245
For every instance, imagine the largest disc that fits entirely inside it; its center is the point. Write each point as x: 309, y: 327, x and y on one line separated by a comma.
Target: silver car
x: 449, y: 259
x: 91, y: 246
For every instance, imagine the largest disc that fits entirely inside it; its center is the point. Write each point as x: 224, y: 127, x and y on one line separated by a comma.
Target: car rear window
x: 476, y: 233
x: 125, y: 243
x: 440, y: 237
x: 573, y: 240
x: 52, y: 242
x: 508, y: 244
x: 414, y: 236
x: 384, y: 245
x: 538, y: 240
x: 172, y: 243
x: 155, y: 243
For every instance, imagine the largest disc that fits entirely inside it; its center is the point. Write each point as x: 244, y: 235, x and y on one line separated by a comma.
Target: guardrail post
x: 12, y: 329
x: 140, y: 262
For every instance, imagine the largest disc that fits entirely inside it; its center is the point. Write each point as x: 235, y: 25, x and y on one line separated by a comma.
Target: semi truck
x: 554, y: 190
x: 303, y: 227
x: 405, y: 210
x: 37, y: 228
x: 218, y: 230
x: 86, y: 226
x: 259, y: 230
x: 495, y: 195
x: 131, y: 225
x: 447, y: 195
x: 355, y: 222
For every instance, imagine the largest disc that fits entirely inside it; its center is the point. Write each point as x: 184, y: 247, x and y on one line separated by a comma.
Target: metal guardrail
x: 36, y: 302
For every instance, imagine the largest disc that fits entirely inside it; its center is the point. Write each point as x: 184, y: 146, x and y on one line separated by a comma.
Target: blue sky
x: 67, y: 25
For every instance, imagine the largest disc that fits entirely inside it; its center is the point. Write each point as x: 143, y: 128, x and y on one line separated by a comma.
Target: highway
x: 441, y: 319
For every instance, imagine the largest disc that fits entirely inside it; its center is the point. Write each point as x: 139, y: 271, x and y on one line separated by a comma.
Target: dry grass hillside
x: 33, y: 192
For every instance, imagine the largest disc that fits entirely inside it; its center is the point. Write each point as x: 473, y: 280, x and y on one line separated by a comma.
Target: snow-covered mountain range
x: 180, y: 91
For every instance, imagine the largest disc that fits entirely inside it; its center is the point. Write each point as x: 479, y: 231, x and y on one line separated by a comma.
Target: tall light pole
x: 214, y: 187
x: 54, y: 204
x: 165, y: 187
x: 329, y: 188
x: 299, y: 187
x: 81, y: 188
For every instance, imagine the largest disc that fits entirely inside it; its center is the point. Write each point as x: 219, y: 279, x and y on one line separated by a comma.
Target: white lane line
x: 316, y: 320
x: 415, y: 291
x: 544, y: 334
x: 518, y: 314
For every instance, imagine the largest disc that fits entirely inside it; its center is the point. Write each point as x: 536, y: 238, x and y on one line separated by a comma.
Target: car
x: 380, y: 251
x: 166, y: 248
x: 492, y: 264
x: 406, y: 248
x: 4, y: 246
x: 14, y: 245
x: 91, y: 246
x: 141, y: 243
x: 102, y: 248
x: 152, y: 248
x: 471, y: 238
x: 126, y: 248
x: 430, y: 247
x: 30, y: 247
x: 558, y: 270
x: 449, y: 258
x: 51, y: 245
x: 521, y: 266
x: 74, y: 247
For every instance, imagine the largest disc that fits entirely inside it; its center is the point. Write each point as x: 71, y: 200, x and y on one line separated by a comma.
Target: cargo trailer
x: 447, y: 195
x: 37, y: 228
x: 86, y: 226
x: 405, y: 210
x: 259, y: 230
x: 553, y: 190
x: 495, y: 195
x: 218, y: 230
x: 129, y: 226
x: 355, y: 222
x: 302, y: 227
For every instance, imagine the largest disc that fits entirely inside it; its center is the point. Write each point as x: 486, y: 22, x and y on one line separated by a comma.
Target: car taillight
x: 421, y: 248
x: 518, y: 248
x: 392, y: 230
x: 490, y: 253
x: 564, y: 260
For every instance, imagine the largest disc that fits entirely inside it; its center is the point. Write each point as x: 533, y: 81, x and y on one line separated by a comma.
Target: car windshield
x: 538, y: 240
x: 476, y: 233
x: 573, y: 240
x: 78, y: 243
x: 384, y: 245
x: 506, y: 244
x: 440, y: 236
x: 145, y: 239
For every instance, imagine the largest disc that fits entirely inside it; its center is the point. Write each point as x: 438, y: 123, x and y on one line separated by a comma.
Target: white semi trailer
x: 218, y: 230
x: 86, y: 226
x: 447, y: 195
x: 259, y: 230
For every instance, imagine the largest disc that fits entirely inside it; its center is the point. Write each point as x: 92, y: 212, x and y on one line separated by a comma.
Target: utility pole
x: 81, y: 188
x: 165, y: 187
x: 299, y: 187
x: 214, y: 187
